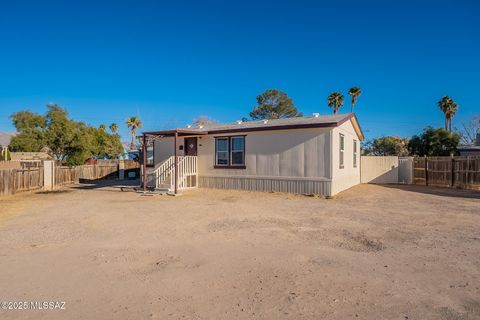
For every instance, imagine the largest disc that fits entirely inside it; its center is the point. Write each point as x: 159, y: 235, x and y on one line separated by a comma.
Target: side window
x: 355, y: 153
x: 342, y: 151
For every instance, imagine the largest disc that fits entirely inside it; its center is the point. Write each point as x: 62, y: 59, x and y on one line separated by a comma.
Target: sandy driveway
x: 374, y: 252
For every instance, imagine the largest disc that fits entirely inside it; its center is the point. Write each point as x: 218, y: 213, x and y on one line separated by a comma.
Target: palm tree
x: 113, y: 127
x: 335, y: 101
x: 101, y: 127
x: 449, y: 108
x: 354, y: 92
x: 133, y: 123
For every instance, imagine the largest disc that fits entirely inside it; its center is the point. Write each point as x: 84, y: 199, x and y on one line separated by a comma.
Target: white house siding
x: 349, y: 176
x: 163, y: 149
x: 283, y: 153
x: 295, y: 161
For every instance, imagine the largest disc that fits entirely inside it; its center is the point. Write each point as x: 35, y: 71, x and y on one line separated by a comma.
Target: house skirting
x: 299, y: 185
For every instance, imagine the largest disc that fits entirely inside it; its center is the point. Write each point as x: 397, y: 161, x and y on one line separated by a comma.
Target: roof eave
x: 168, y: 133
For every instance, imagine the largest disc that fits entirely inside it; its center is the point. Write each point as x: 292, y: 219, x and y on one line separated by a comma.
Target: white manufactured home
x: 306, y: 155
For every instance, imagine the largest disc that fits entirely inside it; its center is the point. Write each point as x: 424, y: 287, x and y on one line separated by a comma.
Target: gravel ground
x: 373, y: 252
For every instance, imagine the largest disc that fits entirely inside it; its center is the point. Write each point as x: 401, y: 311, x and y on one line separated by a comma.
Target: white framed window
x: 342, y: 151
x: 221, y: 151
x: 230, y: 152
x: 237, y: 154
x: 355, y: 153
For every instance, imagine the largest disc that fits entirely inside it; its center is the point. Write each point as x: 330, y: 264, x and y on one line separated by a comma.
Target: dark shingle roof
x: 321, y: 119
x: 263, y: 125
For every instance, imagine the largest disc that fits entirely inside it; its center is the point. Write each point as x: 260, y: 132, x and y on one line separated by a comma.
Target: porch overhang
x: 152, y: 136
x: 174, y: 132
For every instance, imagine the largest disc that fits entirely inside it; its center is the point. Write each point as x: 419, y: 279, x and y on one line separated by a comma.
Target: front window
x: 222, y: 151
x: 238, y: 151
x: 342, y: 150
x: 230, y: 151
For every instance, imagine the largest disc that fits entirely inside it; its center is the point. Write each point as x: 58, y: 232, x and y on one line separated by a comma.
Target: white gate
x: 405, y: 170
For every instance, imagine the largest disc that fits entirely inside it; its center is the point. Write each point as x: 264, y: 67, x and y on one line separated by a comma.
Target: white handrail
x: 187, y: 167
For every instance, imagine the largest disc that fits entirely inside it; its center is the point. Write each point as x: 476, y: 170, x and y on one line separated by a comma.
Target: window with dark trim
x: 342, y: 151
x: 355, y: 147
x: 230, y: 152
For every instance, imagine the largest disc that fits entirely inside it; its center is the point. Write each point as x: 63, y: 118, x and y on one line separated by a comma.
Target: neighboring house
x: 306, y: 155
x: 127, y: 153
x: 471, y: 150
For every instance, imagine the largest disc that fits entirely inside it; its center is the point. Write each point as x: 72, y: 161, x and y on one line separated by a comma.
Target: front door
x: 190, y: 146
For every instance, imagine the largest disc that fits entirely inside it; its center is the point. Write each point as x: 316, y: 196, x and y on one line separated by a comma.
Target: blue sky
x: 169, y: 62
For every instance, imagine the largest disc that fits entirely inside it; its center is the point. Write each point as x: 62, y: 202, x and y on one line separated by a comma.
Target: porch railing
x: 187, y: 173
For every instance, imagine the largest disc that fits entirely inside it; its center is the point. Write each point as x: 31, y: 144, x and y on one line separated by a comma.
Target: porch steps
x: 162, y: 178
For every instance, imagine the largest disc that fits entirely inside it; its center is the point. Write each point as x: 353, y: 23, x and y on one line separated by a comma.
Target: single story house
x: 319, y: 154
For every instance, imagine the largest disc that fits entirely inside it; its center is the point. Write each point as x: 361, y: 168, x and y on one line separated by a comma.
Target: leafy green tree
x: 387, y: 146
x: 24, y: 120
x: 434, y: 142
x: 335, y: 101
x: 102, y: 127
x: 133, y: 123
x: 30, y: 127
x: 68, y: 140
x: 274, y: 104
x: 62, y: 135
x: 449, y: 108
x: 106, y: 145
x: 354, y: 92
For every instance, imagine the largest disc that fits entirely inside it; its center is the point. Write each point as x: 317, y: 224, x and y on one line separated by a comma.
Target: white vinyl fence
x: 386, y: 169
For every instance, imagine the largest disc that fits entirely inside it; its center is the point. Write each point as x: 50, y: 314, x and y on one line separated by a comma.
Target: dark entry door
x: 190, y: 146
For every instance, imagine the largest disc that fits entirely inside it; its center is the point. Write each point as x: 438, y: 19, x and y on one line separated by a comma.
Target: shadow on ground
x: 54, y: 191
x: 437, y: 191
x: 107, y: 185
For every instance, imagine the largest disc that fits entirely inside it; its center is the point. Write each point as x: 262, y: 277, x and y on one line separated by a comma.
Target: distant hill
x: 5, y: 138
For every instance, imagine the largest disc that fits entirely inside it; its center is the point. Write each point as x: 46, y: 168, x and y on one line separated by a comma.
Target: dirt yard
x: 374, y: 252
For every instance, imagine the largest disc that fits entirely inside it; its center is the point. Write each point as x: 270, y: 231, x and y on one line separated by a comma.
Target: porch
x: 175, y: 173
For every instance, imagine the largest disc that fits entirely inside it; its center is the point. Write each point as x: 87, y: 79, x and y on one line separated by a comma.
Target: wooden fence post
x: 426, y: 171
x: 466, y: 172
x: 453, y: 171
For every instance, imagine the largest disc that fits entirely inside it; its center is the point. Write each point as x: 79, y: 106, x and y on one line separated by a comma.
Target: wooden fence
x: 66, y: 175
x: 459, y: 172
x: 20, y: 164
x: 131, y: 164
x: 16, y: 176
x: 10, y: 165
x: 69, y: 175
x: 18, y: 180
